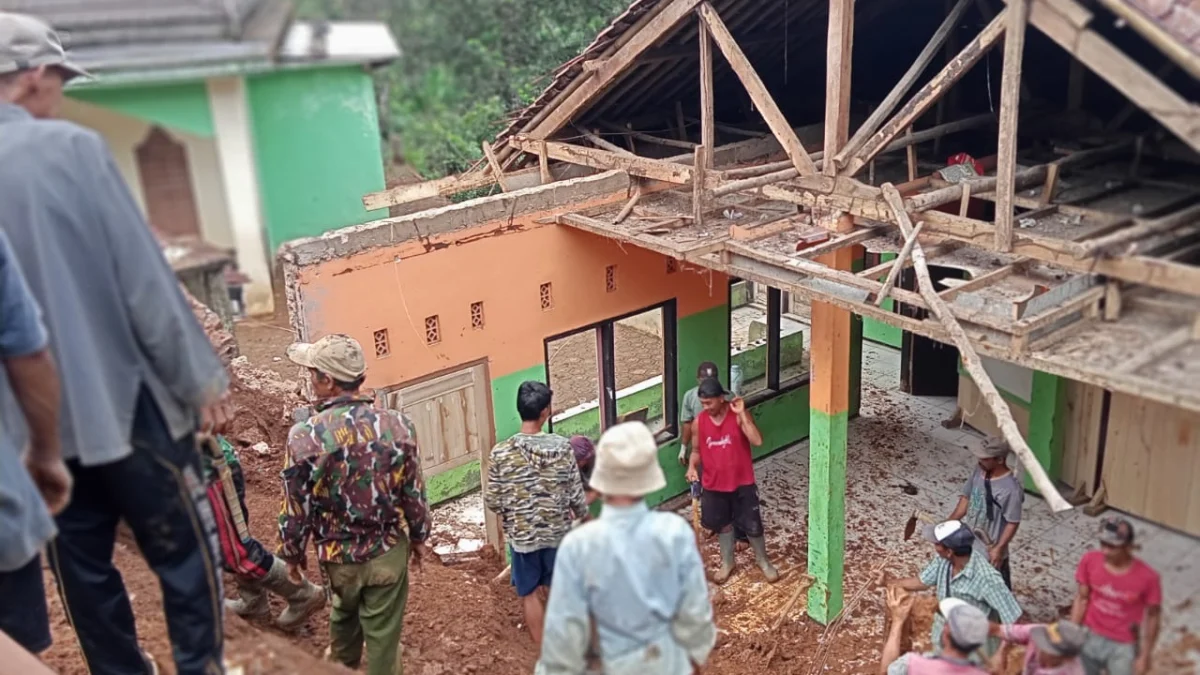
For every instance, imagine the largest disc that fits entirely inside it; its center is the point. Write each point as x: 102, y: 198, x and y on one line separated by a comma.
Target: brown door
x: 167, y: 185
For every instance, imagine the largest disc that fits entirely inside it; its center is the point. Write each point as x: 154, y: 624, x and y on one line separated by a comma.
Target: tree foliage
x: 466, y: 64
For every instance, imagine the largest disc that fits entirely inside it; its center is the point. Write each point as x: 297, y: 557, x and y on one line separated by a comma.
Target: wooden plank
x: 613, y: 67
x: 972, y: 362
x: 1010, y: 101
x: 838, y: 56
x: 757, y: 90
x: 1171, y: 110
x: 910, y: 154
x: 927, y: 95
x: 601, y: 143
x: 1081, y: 437
x: 649, y: 138
x: 667, y: 172
x: 760, y: 231
x: 699, y: 198
x: 1112, y: 242
x: 544, y: 165
x: 708, y: 125
x: 910, y: 77
x: 899, y: 264
x: 978, y: 283
x: 402, y: 194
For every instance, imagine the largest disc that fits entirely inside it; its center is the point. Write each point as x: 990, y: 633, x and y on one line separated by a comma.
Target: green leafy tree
x: 466, y: 64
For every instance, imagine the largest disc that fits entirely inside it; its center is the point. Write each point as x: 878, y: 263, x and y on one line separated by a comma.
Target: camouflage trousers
x: 368, y: 607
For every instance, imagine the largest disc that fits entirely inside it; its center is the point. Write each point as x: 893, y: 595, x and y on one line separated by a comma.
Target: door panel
x: 451, y: 417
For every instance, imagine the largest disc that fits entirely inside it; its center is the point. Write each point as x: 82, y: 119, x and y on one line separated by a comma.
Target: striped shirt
x: 980, y: 584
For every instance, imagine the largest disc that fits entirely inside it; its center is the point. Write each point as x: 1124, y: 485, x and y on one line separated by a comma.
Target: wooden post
x: 774, y: 117
x: 544, y: 165
x: 698, y: 196
x: 910, y: 154
x: 708, y: 124
x: 1010, y: 99
x: 495, y: 164
x: 927, y: 95
x: 839, y: 47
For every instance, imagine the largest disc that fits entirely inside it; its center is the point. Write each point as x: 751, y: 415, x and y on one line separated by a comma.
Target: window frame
x: 774, y: 313
x: 605, y: 334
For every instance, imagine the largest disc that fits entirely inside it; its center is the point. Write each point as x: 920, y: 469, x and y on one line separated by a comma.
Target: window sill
x: 785, y: 387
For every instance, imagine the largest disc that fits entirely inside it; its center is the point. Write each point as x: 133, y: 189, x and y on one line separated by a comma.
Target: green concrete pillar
x: 1047, y: 414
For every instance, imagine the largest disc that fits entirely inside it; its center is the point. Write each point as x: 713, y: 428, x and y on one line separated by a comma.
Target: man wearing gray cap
x: 138, y: 370
x: 966, y: 630
x: 991, y: 503
x: 629, y: 587
x: 1050, y: 649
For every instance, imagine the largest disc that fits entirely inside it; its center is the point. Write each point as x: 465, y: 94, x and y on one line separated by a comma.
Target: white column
x: 235, y: 154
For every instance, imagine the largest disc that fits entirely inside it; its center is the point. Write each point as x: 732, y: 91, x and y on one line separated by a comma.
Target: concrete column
x: 239, y: 176
x: 1047, y: 415
x: 829, y: 409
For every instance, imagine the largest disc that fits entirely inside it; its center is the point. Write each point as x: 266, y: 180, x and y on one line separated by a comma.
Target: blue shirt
x: 116, y: 316
x: 637, y: 575
x: 25, y: 523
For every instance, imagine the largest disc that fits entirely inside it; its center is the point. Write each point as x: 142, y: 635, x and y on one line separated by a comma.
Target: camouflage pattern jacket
x: 352, y: 482
x: 535, y: 488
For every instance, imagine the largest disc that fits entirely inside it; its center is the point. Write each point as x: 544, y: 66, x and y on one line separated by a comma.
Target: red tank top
x: 725, y: 457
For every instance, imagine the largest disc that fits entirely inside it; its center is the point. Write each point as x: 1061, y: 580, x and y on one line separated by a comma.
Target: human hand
x: 692, y: 474
x: 996, y: 555
x: 899, y: 603
x: 738, y: 405
x: 52, y: 478
x: 1142, y: 665
x: 296, y: 572
x: 215, y: 417
x: 416, y: 556
x: 683, y: 455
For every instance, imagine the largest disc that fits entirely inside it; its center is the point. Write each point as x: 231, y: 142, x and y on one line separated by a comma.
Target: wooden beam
x: 838, y: 56
x: 972, y: 363
x: 927, y: 95
x: 1112, y: 242
x: 1168, y: 44
x: 910, y: 77
x: 699, y: 198
x: 602, y: 143
x: 708, y: 124
x: 497, y: 171
x: 757, y: 90
x: 894, y: 274
x: 668, y: 172
x: 1171, y: 110
x: 979, y: 282
x: 649, y: 138
x: 628, y: 208
x: 613, y: 67
x: 449, y: 185
x: 1010, y: 101
x: 544, y: 165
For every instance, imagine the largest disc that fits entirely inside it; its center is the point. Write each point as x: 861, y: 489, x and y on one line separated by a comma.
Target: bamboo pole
x: 899, y: 265
x: 999, y: 408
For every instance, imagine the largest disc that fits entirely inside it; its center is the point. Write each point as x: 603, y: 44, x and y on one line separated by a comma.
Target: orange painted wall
x: 503, y: 266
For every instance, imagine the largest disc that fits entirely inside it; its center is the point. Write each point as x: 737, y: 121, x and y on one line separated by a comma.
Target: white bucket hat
x: 627, y: 462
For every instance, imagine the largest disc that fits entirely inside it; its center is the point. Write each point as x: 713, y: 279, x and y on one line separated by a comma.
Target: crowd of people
x: 111, y: 383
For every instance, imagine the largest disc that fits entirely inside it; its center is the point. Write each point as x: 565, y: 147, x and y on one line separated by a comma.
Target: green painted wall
x: 1047, y: 421
x: 181, y: 107
x: 753, y: 361
x: 877, y: 331
x: 316, y: 142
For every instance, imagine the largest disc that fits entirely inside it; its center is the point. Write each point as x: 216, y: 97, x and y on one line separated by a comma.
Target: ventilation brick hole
x: 547, y: 296
x: 433, y: 330
x: 610, y: 279
x: 382, y: 346
x: 672, y: 266
x: 477, y: 315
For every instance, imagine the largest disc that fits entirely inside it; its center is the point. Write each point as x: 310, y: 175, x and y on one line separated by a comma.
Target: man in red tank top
x: 724, y: 434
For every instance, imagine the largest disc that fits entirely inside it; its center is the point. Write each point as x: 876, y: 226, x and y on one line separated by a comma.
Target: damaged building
x: 1007, y: 192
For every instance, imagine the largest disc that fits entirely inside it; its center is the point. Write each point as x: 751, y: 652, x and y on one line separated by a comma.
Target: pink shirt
x: 1020, y: 635
x: 916, y: 664
x: 1117, y: 602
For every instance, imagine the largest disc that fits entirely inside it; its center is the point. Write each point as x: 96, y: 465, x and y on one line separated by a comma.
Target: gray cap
x: 968, y: 625
x: 992, y: 448
x: 952, y: 534
x: 1059, y: 639
x: 27, y: 42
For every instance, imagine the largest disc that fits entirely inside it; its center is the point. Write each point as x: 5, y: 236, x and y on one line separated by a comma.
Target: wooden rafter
x: 649, y: 138
x: 708, y: 124
x: 889, y: 103
x: 838, y: 52
x: 927, y: 95
x: 978, y: 283
x: 757, y: 90
x: 596, y: 158
x: 1010, y: 99
x: 1065, y: 22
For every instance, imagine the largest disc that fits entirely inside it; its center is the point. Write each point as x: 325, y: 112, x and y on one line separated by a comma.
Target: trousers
x: 368, y: 606
x: 158, y: 491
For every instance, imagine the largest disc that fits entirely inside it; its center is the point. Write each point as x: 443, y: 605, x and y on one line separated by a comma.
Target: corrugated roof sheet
x: 1178, y: 18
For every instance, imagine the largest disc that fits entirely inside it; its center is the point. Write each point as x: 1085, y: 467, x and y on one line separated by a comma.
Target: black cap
x: 706, y: 370
x: 710, y: 387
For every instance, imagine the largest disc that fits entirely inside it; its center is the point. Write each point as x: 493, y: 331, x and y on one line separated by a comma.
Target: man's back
x: 116, y: 317
x: 357, y: 466
x: 535, y: 487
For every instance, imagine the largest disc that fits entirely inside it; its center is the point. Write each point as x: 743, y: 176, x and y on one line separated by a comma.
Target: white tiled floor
x: 899, y: 439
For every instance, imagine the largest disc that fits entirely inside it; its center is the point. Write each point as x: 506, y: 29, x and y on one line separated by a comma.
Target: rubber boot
x: 252, y: 601
x: 759, y: 544
x: 725, y: 539
x: 302, y: 600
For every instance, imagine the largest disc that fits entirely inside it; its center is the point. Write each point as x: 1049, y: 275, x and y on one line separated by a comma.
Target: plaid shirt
x: 352, y: 482
x: 980, y: 584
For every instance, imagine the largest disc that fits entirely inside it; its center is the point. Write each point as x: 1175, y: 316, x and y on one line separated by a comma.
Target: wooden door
x: 452, y: 417
x: 1152, y: 462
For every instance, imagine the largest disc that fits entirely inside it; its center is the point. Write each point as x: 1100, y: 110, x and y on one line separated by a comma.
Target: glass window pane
x: 574, y: 375
x: 793, y: 349
x: 639, y: 351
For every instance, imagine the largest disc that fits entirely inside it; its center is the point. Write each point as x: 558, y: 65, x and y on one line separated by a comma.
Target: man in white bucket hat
x: 629, y: 593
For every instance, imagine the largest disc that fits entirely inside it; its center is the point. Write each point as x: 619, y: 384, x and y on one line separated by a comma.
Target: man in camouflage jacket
x: 353, y: 483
